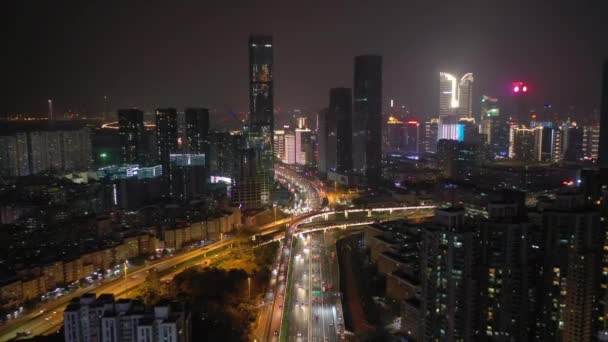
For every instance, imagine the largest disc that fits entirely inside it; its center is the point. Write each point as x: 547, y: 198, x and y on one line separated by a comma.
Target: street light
x: 249, y: 286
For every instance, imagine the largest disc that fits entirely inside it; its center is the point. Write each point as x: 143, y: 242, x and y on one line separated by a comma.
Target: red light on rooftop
x: 412, y: 122
x: 520, y: 87
x: 533, y: 116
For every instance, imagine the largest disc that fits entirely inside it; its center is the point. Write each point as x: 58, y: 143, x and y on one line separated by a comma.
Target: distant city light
x: 524, y: 89
x: 516, y: 89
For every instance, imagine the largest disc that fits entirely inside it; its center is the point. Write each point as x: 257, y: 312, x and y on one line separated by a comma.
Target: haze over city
x: 161, y: 53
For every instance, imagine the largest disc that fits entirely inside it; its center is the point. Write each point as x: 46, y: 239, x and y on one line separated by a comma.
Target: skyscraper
x: 591, y: 137
x: 279, y: 143
x: 465, y: 96
x: 508, y: 274
x: 490, y: 116
x: 527, y: 144
x: 289, y: 157
x: 224, y: 153
x: 456, y: 97
x: 367, y: 116
x: 603, y: 150
x: 448, y: 94
x: 572, y: 263
x: 450, y: 286
x: 131, y: 131
x: 573, y: 144
x: 431, y: 135
x: 261, y: 115
x: 395, y: 135
x: 246, y: 186
x: 197, y: 130
x: 340, y: 108
x: 166, y: 138
x: 327, y: 141
x: 303, y: 146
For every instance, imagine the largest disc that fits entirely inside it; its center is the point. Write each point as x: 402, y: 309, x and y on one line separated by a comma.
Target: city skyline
x: 200, y: 67
x: 431, y: 193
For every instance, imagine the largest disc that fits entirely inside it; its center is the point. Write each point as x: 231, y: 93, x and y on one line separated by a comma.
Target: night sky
x: 194, y: 53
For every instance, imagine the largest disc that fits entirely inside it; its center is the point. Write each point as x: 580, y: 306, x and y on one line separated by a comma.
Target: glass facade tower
x: 261, y: 115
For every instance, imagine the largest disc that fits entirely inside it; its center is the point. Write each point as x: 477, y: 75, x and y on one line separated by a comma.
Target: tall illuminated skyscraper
x: 456, y: 96
x: 465, y: 96
x: 448, y: 94
x: 261, y: 115
x: 166, y: 138
x: 131, y: 132
x: 367, y: 116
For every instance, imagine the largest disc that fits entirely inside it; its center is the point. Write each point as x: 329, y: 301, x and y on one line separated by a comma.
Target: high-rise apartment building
x: 197, y: 130
x: 224, y: 153
x: 450, y: 286
x: 509, y: 273
x: 131, y: 132
x: 591, y: 140
x: 105, y: 319
x: 246, y: 185
x: 546, y: 145
x: 571, y: 271
x: 261, y: 110
x: 166, y: 139
x: 572, y: 143
x: 526, y: 144
x: 34, y: 150
x: 14, y: 155
x: 367, y: 117
x: 290, y: 149
x: 279, y: 144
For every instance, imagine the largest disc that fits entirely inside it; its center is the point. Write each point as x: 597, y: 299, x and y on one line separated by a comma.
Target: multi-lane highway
x: 48, y: 318
x: 315, y: 308
x: 304, y: 303
x: 310, y: 198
